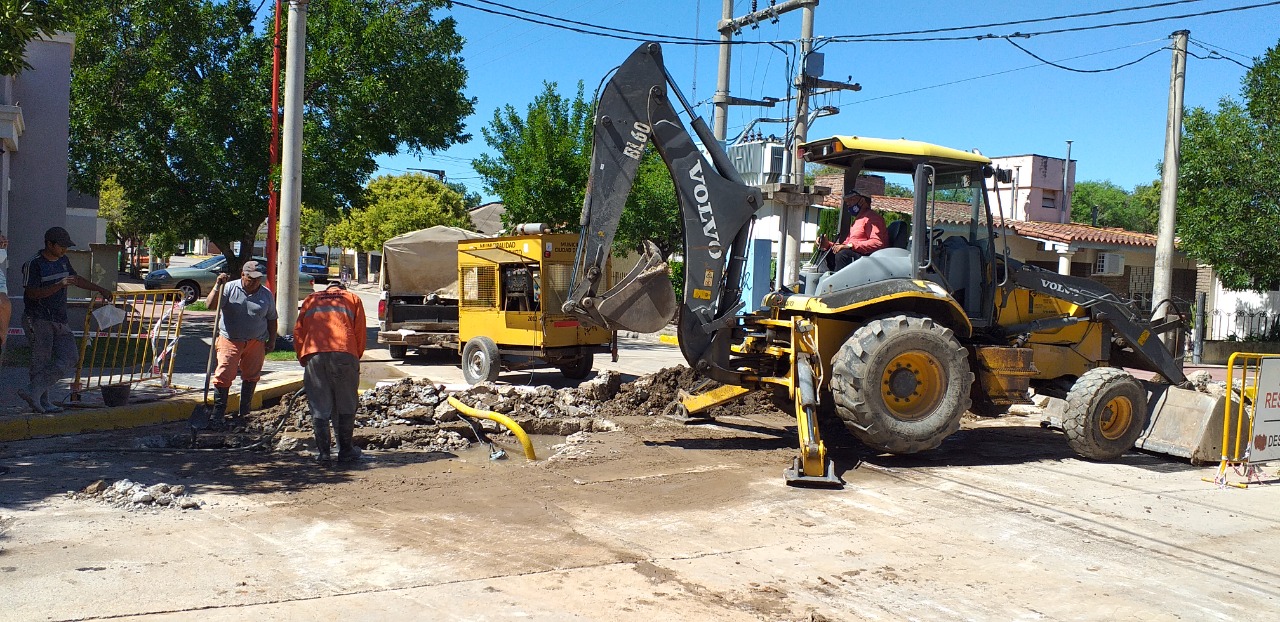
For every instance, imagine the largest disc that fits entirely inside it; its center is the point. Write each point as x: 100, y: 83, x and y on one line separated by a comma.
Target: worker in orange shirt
x: 329, y: 339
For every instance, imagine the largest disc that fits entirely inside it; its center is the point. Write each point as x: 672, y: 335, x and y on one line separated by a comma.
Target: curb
x: 669, y: 340
x: 80, y: 421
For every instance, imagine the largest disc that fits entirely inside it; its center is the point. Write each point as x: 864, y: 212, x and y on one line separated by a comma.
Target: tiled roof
x: 1065, y: 233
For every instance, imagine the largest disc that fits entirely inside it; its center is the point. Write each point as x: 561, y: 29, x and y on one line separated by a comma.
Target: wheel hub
x: 1116, y: 418
x: 912, y: 384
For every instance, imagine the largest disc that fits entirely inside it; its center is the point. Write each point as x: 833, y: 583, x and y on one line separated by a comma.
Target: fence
x: 1251, y: 418
x: 1242, y: 326
x: 134, y: 341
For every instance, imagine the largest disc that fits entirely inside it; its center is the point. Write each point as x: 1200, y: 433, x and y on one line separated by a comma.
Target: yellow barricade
x: 1251, y: 421
x: 132, y: 338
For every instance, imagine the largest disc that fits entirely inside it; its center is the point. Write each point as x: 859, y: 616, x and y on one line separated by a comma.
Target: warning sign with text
x: 1266, y: 414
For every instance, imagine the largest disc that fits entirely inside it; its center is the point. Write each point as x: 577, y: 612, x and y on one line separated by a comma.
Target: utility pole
x: 720, y: 119
x: 273, y: 193
x: 1162, y: 289
x: 291, y: 170
x: 791, y: 229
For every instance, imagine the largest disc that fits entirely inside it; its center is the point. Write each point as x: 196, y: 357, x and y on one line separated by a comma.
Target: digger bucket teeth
x: 643, y: 301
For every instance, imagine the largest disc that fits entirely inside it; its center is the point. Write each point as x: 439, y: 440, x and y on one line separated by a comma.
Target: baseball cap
x: 58, y: 236
x: 252, y: 269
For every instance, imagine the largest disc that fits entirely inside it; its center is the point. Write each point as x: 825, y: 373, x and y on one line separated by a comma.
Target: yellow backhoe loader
x: 902, y: 341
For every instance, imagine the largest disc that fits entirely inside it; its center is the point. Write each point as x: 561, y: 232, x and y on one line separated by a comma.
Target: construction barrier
x: 1251, y: 421
x: 130, y: 339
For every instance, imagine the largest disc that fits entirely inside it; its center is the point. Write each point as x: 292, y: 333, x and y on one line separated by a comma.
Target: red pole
x: 273, y: 194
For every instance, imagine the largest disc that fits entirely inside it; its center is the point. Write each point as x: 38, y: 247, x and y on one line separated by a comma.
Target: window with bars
x: 478, y: 287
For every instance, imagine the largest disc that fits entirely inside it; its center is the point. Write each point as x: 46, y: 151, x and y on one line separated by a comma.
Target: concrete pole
x: 291, y: 170
x: 1162, y: 289
x: 720, y: 118
x: 794, y: 221
x: 1065, y: 215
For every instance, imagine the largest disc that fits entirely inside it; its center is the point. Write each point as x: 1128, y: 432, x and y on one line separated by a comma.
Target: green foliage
x: 20, y: 22
x: 312, y: 226
x: 540, y: 170
x: 172, y: 98
x: 1117, y: 207
x: 541, y: 173
x: 399, y: 204
x: 676, y: 269
x: 163, y: 245
x: 1228, y: 189
x: 898, y: 190
x: 469, y: 199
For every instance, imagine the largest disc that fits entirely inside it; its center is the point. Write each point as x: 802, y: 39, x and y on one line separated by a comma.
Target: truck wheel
x: 578, y: 368
x: 480, y: 360
x: 1106, y: 411
x: 901, y: 384
x: 398, y: 352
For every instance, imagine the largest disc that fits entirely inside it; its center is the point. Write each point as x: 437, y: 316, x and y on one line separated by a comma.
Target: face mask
x: 4, y: 254
x: 854, y: 209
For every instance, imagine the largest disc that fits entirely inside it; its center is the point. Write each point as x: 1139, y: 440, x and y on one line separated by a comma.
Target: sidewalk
x: 149, y: 402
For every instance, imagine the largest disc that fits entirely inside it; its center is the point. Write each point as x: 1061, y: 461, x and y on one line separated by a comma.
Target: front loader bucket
x: 1184, y: 423
x: 643, y: 301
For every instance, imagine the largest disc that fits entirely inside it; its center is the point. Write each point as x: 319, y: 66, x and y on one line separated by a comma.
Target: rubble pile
x: 133, y: 496
x: 414, y: 413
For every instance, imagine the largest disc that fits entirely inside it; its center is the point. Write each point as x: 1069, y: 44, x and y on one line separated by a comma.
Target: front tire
x: 190, y: 291
x: 901, y: 384
x: 1106, y: 412
x: 578, y: 368
x: 480, y: 361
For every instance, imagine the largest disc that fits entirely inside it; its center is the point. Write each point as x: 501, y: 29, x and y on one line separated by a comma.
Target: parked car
x: 196, y: 280
x: 316, y: 266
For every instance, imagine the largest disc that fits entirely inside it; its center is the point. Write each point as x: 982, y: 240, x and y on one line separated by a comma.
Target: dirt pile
x: 135, y: 496
x: 416, y: 414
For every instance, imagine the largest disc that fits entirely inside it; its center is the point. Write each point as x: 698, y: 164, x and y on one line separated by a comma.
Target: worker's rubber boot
x: 346, y: 426
x: 246, y: 402
x: 323, y: 441
x: 217, y: 418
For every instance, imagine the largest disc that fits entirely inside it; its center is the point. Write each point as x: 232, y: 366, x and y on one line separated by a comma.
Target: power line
x: 1064, y: 67
x: 1017, y: 22
x: 1203, y: 43
x: 1058, y: 31
x: 1214, y: 55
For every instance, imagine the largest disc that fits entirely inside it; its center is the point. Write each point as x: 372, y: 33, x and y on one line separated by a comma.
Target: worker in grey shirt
x: 246, y: 333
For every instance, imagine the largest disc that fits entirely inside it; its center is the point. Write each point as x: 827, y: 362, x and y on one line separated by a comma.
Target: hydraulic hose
x: 502, y: 420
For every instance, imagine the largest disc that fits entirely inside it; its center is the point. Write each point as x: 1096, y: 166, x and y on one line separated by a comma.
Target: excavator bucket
x: 643, y: 301
x: 1184, y: 423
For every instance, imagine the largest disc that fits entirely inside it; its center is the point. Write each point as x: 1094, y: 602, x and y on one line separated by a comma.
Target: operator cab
x: 949, y: 209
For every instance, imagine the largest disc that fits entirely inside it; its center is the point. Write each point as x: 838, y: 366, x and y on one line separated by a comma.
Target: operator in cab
x: 867, y: 233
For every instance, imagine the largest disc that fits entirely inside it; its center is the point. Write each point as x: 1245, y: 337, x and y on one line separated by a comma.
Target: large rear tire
x: 480, y: 361
x: 901, y: 384
x: 1106, y: 412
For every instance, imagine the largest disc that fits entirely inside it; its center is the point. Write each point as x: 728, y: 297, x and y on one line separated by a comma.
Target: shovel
x: 200, y: 415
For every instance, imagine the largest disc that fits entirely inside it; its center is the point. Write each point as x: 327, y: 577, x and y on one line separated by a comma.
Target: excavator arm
x: 717, y: 209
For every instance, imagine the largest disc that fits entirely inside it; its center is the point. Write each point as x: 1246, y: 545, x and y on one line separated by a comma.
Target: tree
x: 540, y: 170
x: 1228, y: 189
x: 20, y: 22
x: 469, y: 199
x: 312, y: 226
x: 122, y: 224
x: 396, y: 205
x: 172, y: 97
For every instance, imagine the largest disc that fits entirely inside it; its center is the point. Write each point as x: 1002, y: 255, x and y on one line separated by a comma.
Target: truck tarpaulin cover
x: 424, y: 261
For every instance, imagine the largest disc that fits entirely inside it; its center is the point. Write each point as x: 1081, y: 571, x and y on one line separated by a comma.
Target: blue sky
x: 983, y: 94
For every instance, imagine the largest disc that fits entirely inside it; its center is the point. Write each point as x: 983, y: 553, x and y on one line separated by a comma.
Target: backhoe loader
x: 901, y: 342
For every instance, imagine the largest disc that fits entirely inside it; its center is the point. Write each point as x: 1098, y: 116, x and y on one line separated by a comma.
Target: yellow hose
x: 500, y: 419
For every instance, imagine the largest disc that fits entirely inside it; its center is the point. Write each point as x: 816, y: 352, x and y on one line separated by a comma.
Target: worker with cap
x: 867, y: 233
x: 329, y: 339
x: 245, y: 334
x: 46, y: 277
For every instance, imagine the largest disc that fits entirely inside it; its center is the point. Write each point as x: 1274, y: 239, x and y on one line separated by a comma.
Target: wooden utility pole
x: 1162, y: 289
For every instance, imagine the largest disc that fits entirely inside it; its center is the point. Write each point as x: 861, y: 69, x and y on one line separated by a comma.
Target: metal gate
x: 132, y: 338
x: 1251, y: 421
